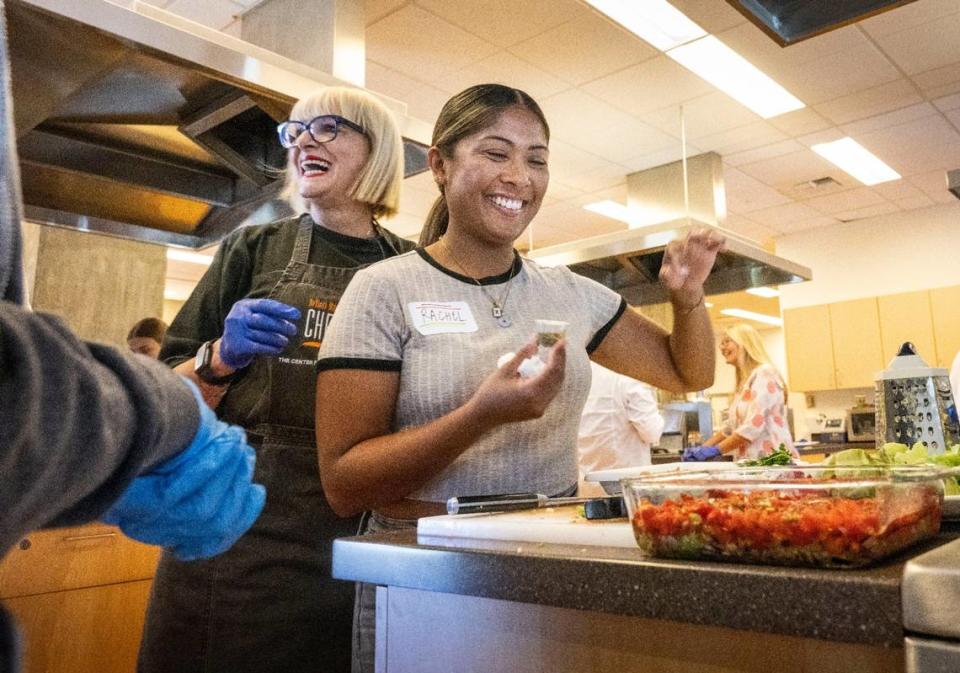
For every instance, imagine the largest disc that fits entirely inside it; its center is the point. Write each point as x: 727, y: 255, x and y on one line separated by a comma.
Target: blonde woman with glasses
x: 249, y: 335
x: 757, y: 423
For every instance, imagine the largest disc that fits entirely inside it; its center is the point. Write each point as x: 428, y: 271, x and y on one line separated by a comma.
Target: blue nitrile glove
x: 200, y: 501
x: 256, y: 327
x: 700, y: 453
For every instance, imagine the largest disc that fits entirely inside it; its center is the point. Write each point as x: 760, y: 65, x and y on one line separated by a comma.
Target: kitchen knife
x: 594, y: 508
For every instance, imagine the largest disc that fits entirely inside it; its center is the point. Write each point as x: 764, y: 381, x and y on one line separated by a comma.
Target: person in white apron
x: 258, y: 317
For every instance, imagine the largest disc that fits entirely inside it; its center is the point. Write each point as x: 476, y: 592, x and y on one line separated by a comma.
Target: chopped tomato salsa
x: 786, y: 528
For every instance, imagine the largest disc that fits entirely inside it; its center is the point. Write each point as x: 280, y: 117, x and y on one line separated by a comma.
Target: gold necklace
x: 496, y: 305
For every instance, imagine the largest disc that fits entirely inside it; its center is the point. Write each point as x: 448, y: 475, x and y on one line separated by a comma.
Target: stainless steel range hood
x: 629, y: 261
x: 134, y: 122
x: 675, y: 199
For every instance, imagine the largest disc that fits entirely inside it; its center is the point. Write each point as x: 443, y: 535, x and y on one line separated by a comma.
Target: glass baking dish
x: 826, y: 517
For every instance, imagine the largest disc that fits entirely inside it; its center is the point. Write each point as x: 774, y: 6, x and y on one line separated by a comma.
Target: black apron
x: 269, y: 603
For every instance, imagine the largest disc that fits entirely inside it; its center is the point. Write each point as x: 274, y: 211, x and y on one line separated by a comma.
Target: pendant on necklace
x: 501, y: 319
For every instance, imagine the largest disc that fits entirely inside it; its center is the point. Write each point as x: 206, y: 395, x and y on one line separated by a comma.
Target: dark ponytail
x: 469, y: 112
x: 436, y: 225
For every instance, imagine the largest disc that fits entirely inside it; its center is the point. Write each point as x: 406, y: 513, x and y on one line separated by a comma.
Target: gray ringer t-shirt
x: 435, y: 327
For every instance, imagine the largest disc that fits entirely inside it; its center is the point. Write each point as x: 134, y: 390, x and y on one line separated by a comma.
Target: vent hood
x: 134, y: 122
x: 629, y: 261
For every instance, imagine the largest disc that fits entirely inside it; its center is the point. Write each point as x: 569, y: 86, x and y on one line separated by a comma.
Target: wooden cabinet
x: 79, y: 596
x: 945, y: 306
x: 907, y: 317
x: 855, y: 329
x: 810, y: 361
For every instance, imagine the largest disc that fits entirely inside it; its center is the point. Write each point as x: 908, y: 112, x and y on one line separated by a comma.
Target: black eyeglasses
x: 322, y: 129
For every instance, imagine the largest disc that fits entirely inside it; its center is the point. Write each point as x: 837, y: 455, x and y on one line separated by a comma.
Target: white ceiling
x: 892, y: 82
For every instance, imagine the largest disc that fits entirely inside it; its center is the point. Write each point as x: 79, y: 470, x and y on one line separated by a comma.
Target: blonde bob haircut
x: 752, y: 352
x: 379, y: 182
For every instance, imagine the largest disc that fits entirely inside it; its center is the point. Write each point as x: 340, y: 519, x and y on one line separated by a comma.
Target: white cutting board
x: 560, y: 525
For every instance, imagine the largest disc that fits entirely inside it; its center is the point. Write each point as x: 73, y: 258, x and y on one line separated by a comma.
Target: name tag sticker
x: 441, y: 317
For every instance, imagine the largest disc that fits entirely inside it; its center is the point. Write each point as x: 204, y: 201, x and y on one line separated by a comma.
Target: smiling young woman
x: 414, y: 345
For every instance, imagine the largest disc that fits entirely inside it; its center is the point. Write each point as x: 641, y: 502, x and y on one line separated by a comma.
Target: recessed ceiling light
x: 855, y: 159
x: 656, y: 21
x: 767, y: 292
x: 730, y: 72
x: 750, y: 315
x: 708, y: 304
x: 190, y: 257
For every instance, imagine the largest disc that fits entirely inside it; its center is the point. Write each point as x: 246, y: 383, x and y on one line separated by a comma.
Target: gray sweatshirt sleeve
x: 78, y: 422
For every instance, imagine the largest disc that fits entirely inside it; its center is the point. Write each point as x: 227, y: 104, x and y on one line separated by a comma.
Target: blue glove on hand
x: 700, y: 453
x: 199, y: 502
x: 256, y: 327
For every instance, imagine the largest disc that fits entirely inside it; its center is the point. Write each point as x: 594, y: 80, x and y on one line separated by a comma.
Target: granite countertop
x: 860, y: 606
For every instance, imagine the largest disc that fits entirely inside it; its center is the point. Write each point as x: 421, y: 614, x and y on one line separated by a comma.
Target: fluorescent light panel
x: 656, y: 21
x: 730, y: 72
x: 855, y: 159
x: 766, y: 292
x: 190, y: 257
x: 750, y: 315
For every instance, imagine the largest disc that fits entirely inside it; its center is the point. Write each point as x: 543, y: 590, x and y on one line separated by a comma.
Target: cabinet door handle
x: 85, y: 538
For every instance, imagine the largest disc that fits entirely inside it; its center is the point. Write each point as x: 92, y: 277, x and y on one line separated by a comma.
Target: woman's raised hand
x: 505, y: 397
x: 687, y: 263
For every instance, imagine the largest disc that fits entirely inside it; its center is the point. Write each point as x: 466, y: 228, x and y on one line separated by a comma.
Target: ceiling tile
x: 568, y: 162
x: 505, y: 22
x: 594, y: 126
x: 895, y: 118
x: 868, y: 211
x: 422, y: 181
x: 702, y: 116
x: 837, y: 74
x: 616, y: 193
x: 912, y: 15
x: 789, y: 169
x: 924, y: 47
x: 887, y: 143
x: 665, y: 156
x: 804, y: 225
x: 948, y: 102
x: 585, y: 224
x: 746, y: 194
x: 914, y: 202
x: 504, y: 68
x: 374, y: 10
x: 891, y: 96
x: 559, y: 191
x: 754, y: 45
x: 849, y: 200
x: 798, y: 122
x: 778, y: 216
x: 934, y: 185
x: 417, y: 43
x: 655, y: 83
x: 600, y: 177
x: 585, y: 49
x: 954, y: 117
x: 940, y: 81
x: 423, y: 101
x: 912, y: 160
x: 749, y: 137
x: 763, y: 153
x: 897, y: 190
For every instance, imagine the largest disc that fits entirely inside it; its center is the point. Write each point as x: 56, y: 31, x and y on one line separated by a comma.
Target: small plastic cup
x: 549, y: 332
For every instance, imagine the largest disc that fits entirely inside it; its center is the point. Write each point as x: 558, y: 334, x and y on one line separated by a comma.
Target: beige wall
x: 99, y: 284
x: 895, y: 253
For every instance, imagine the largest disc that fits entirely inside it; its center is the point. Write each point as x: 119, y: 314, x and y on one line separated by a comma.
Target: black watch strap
x: 204, y: 367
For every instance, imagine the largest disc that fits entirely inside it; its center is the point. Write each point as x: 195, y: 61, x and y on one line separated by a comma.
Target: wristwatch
x: 203, y: 366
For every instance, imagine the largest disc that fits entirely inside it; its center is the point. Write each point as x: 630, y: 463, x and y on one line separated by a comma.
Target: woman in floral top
x: 757, y: 421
